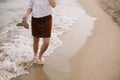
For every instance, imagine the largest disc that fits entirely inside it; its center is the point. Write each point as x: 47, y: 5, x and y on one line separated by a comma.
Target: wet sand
x: 98, y: 59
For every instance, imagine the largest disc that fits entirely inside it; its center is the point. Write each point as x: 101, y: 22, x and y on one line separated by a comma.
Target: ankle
x: 35, y: 55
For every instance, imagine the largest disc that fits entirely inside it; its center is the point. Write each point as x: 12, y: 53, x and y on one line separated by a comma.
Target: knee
x: 36, y: 40
x: 46, y: 43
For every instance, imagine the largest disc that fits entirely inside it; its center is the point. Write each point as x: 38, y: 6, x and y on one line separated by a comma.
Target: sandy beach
x: 97, y: 59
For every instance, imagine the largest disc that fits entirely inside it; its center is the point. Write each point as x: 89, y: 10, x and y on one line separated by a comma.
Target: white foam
x: 17, y: 42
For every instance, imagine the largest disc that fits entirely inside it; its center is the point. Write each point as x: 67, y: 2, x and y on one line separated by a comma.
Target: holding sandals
x: 41, y: 25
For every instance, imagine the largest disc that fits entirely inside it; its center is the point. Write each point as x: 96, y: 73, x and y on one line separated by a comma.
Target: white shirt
x: 40, y: 8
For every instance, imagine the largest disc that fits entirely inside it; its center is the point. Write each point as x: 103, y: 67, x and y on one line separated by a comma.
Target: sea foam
x: 16, y: 42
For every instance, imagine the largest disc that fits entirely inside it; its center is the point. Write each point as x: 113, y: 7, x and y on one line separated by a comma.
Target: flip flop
x: 24, y: 24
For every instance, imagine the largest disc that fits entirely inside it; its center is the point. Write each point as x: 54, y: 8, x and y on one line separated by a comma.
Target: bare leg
x: 35, y: 46
x: 44, y: 47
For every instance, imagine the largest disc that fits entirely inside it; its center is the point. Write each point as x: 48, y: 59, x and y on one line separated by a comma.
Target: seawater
x: 16, y: 42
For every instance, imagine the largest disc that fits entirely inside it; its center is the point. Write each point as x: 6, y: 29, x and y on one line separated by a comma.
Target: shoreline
x: 20, y: 39
x: 89, y: 62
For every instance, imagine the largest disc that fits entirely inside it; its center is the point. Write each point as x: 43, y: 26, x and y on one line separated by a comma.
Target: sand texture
x: 112, y: 8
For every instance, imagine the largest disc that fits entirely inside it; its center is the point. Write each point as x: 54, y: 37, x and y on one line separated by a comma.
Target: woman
x: 41, y: 25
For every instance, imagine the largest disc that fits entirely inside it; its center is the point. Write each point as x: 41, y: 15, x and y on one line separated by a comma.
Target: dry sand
x: 98, y: 59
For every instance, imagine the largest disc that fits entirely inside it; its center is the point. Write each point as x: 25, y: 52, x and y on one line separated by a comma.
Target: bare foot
x: 41, y: 61
x: 35, y: 59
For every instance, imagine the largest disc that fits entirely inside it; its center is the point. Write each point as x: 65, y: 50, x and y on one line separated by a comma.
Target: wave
x: 16, y: 42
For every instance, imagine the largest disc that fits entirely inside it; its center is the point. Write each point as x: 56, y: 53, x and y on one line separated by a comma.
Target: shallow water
x: 16, y: 42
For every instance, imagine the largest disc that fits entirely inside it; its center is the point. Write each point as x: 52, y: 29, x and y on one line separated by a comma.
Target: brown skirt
x: 41, y: 27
